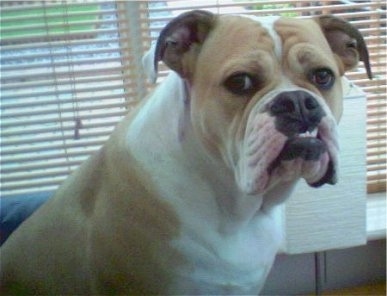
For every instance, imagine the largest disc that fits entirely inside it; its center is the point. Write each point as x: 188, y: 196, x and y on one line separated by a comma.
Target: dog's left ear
x: 346, y: 41
x: 181, y: 36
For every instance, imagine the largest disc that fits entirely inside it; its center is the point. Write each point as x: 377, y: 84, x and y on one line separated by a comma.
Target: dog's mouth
x: 308, y: 148
x: 270, y: 157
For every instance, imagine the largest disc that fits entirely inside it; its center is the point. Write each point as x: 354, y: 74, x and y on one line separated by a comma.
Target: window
x: 66, y: 80
x: 70, y: 70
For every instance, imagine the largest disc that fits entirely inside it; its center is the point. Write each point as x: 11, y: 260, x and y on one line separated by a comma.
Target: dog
x: 181, y: 198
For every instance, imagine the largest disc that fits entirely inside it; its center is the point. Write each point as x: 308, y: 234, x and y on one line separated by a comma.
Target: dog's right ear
x: 180, y: 40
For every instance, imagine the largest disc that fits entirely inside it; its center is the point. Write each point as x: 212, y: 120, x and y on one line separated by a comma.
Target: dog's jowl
x: 180, y: 199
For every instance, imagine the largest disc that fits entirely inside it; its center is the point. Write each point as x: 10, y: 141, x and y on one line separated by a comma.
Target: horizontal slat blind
x: 70, y: 69
x: 64, y: 86
x: 368, y: 16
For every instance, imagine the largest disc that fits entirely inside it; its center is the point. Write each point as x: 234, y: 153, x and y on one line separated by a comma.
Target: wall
x: 295, y: 274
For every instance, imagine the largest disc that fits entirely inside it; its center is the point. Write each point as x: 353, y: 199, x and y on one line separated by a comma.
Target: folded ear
x: 346, y: 41
x: 180, y: 39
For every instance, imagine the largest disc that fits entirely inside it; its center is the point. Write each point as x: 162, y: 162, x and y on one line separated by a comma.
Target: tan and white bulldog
x: 180, y: 200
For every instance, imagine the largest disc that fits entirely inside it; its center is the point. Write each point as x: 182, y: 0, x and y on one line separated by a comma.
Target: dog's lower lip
x: 277, y: 161
x: 328, y: 178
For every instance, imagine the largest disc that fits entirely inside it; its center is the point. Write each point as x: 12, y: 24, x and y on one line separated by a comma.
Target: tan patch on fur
x: 105, y: 222
x: 247, y: 48
x: 305, y: 48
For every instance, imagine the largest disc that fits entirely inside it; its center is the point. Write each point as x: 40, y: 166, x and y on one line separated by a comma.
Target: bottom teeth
x: 309, y: 134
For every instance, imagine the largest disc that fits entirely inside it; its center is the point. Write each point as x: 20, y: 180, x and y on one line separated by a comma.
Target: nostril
x: 310, y: 103
x: 276, y: 108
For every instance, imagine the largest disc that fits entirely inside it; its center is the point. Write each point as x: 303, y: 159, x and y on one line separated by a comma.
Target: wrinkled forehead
x: 266, y: 43
x: 238, y: 39
x: 247, y: 32
x: 267, y: 23
x: 272, y: 33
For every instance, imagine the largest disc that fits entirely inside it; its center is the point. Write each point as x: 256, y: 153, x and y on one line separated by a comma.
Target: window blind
x: 70, y: 70
x: 66, y: 80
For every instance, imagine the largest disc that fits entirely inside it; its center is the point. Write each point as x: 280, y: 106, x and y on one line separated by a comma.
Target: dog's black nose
x: 296, y: 112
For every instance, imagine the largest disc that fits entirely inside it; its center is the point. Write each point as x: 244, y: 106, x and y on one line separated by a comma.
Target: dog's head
x: 265, y: 93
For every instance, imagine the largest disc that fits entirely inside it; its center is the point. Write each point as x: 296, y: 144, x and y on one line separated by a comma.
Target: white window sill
x: 376, y: 216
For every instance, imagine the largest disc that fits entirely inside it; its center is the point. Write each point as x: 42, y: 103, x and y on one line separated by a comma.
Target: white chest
x: 227, y: 264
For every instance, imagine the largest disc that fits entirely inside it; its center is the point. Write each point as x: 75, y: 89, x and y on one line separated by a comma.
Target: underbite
x: 307, y: 146
x: 312, y: 134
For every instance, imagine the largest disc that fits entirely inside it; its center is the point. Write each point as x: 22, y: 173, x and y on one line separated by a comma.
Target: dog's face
x: 265, y: 93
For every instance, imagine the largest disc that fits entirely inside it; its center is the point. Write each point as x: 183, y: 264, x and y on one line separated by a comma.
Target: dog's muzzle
x: 293, y: 138
x: 298, y: 115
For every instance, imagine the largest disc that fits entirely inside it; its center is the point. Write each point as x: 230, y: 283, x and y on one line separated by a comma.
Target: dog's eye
x: 240, y: 84
x: 322, y: 78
